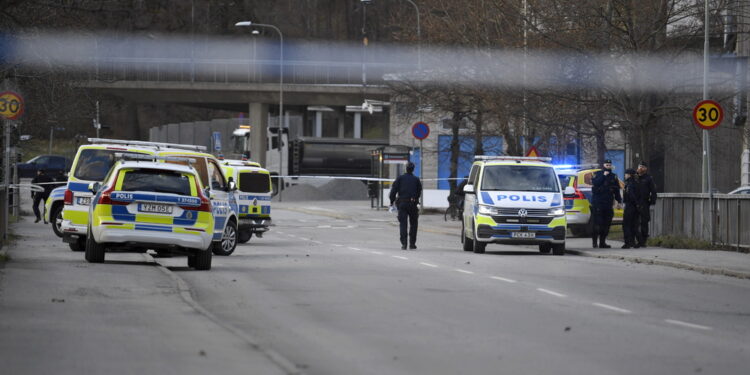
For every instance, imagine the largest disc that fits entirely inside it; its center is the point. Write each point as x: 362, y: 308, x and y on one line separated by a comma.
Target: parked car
x: 741, y: 190
x: 55, y: 165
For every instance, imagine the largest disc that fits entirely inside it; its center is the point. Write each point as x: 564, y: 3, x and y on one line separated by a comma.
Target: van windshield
x: 93, y: 164
x: 519, y: 178
x: 254, y: 182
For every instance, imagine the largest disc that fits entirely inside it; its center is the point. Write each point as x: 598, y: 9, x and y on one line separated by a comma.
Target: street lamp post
x: 281, y: 90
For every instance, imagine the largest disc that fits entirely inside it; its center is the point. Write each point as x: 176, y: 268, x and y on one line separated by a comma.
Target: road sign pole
x: 421, y: 175
x: 706, y: 138
x: 6, y: 178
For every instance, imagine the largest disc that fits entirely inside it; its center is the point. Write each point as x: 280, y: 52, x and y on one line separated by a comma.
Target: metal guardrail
x: 688, y: 215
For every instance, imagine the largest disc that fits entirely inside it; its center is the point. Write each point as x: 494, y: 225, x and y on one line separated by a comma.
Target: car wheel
x: 56, y: 219
x: 94, y: 250
x: 79, y: 245
x: 545, y: 248
x: 478, y: 246
x: 244, y: 236
x: 558, y: 249
x: 201, y: 260
x: 228, y: 240
x: 468, y: 243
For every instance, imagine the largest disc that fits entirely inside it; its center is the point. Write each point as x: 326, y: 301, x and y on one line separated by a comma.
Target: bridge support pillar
x: 258, y: 116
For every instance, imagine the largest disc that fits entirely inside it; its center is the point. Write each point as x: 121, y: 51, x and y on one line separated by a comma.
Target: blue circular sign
x: 420, y: 130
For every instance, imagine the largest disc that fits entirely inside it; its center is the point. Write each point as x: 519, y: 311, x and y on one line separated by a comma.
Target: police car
x: 253, y: 196
x: 144, y: 204
x: 53, y: 208
x: 93, y: 162
x: 577, y: 203
x: 513, y: 200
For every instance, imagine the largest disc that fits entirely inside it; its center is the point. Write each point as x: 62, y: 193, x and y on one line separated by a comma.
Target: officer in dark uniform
x: 405, y: 193
x: 41, y: 178
x: 646, y: 198
x: 631, y: 215
x: 605, y: 190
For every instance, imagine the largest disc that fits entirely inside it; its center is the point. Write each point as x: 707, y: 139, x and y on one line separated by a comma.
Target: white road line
x: 686, y: 324
x: 291, y: 235
x: 279, y: 232
x: 317, y: 242
x: 464, y: 271
x: 399, y: 257
x: 354, y: 248
x: 556, y: 294
x: 428, y: 264
x: 304, y: 239
x: 376, y: 252
x: 502, y: 279
x: 338, y: 245
x: 613, y: 308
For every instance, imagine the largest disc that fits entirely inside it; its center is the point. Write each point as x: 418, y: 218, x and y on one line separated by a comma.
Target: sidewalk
x: 713, y: 262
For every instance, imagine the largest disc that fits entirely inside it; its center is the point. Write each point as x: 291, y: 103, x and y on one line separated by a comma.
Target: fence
x: 687, y: 215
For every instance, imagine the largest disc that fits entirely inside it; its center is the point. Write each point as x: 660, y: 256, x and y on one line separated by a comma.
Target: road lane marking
x: 399, y: 257
x: 279, y: 232
x: 613, y: 308
x: 552, y: 293
x: 464, y: 271
x: 686, y: 324
x: 304, y: 239
x: 291, y: 235
x: 376, y: 252
x: 428, y: 264
x: 338, y: 245
x: 317, y: 242
x: 354, y: 248
x: 502, y: 279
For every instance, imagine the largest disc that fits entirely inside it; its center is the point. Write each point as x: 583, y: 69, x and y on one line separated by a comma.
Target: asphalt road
x: 329, y: 296
x: 340, y: 297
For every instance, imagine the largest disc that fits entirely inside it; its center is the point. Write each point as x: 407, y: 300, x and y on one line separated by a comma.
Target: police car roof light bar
x: 503, y: 157
x: 144, y: 143
x: 143, y: 157
x: 577, y: 166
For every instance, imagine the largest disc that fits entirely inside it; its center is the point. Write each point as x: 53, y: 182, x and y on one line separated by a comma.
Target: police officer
x: 605, y: 190
x: 41, y: 178
x: 405, y: 193
x: 646, y: 198
x: 631, y: 216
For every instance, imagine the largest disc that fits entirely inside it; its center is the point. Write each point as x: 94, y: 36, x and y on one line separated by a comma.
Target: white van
x: 513, y: 200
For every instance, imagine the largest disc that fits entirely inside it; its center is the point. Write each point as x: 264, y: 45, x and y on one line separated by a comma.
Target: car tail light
x: 106, y: 195
x: 68, y: 197
x: 205, y: 202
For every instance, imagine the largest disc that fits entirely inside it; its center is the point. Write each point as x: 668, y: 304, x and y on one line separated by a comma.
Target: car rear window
x: 254, y: 182
x: 520, y: 178
x: 93, y: 165
x: 156, y: 180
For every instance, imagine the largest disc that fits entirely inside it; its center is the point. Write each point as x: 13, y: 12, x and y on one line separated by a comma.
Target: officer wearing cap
x: 405, y: 193
x: 605, y: 190
x: 630, y: 216
x: 646, y: 198
x: 41, y: 196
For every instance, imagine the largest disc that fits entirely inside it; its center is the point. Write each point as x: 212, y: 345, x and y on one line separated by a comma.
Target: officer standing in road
x: 646, y: 199
x: 630, y: 217
x: 405, y: 193
x: 41, y: 178
x: 605, y: 190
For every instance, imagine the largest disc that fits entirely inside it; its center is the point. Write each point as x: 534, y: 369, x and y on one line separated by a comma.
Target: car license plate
x: 523, y: 235
x: 155, y: 208
x: 83, y: 201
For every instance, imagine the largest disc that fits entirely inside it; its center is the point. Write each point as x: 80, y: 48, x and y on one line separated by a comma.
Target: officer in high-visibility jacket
x: 405, y: 193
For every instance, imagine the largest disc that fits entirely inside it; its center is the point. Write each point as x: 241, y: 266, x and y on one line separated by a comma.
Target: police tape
x: 364, y: 178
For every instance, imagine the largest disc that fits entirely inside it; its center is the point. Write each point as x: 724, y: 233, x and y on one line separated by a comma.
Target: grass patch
x: 4, y: 257
x: 674, y: 242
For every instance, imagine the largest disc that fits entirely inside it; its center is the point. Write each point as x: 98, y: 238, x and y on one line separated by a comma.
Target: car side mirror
x: 569, y: 191
x: 232, y: 185
x: 94, y: 187
x: 469, y: 189
x: 207, y: 193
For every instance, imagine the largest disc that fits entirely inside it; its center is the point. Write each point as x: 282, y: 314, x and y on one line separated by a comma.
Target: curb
x: 678, y: 265
x: 186, y: 293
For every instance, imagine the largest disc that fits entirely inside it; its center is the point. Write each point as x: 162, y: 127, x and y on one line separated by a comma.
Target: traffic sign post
x: 420, y: 130
x: 708, y: 114
x: 11, y: 108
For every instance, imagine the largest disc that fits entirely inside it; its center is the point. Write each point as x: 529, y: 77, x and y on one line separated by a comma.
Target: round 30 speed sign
x: 11, y: 105
x: 708, y: 114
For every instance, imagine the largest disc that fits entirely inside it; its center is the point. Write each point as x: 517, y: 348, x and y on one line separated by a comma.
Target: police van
x: 253, y: 196
x: 146, y: 204
x: 93, y: 162
x: 513, y: 200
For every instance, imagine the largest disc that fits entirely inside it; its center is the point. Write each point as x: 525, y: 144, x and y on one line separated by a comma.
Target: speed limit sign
x: 708, y: 114
x: 11, y: 105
